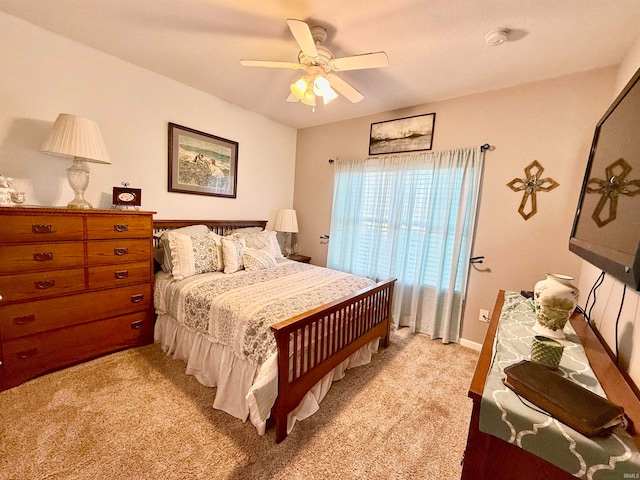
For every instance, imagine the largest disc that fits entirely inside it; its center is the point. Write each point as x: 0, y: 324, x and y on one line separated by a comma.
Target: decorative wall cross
x: 531, y: 184
x: 611, y: 188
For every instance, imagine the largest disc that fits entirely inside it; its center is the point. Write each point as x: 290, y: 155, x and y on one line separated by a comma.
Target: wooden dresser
x: 74, y: 284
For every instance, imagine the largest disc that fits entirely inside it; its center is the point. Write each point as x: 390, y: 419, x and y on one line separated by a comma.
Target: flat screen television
x: 606, y: 229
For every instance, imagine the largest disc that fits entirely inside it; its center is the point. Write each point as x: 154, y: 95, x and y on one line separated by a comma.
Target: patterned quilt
x: 237, y: 310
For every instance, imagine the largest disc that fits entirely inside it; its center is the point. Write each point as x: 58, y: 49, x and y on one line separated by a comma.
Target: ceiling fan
x: 318, y: 63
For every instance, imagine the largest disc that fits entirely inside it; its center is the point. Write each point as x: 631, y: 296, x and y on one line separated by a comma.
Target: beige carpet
x: 136, y: 415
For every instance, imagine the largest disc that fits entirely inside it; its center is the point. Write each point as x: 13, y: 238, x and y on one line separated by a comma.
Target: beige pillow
x: 232, y: 253
x: 259, y: 240
x: 163, y: 253
x: 194, y: 254
x: 244, y: 230
x: 258, y: 259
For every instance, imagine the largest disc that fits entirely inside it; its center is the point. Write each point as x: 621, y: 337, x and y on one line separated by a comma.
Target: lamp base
x: 78, y: 176
x: 79, y: 206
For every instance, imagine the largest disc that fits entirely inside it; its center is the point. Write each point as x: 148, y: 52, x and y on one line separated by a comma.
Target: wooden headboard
x: 217, y: 226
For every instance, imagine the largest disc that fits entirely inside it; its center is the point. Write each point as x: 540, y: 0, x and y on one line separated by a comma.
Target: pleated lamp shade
x: 286, y: 221
x: 76, y: 137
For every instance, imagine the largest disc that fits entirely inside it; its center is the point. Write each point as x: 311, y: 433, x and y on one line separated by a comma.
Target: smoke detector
x: 497, y: 37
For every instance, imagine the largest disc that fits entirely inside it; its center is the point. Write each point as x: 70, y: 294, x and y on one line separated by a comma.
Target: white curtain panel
x: 410, y: 217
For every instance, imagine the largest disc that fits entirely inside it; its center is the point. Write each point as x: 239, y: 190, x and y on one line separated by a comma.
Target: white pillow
x: 194, y: 254
x: 232, y: 248
x: 258, y: 259
x: 163, y: 253
x: 266, y: 239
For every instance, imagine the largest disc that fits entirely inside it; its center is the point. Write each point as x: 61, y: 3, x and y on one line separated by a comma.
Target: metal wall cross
x: 531, y: 184
x: 611, y: 188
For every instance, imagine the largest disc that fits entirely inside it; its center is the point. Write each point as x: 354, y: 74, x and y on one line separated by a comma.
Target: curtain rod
x: 483, y: 147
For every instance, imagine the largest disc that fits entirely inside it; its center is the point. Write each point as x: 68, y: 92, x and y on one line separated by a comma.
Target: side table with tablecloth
x: 536, y: 436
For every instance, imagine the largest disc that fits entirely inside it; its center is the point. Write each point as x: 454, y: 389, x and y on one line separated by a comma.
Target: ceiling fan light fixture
x: 300, y: 87
x: 320, y: 85
x: 309, y: 99
x: 329, y: 95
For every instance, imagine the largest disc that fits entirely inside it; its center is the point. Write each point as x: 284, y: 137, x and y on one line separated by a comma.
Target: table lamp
x: 287, y: 222
x: 80, y: 139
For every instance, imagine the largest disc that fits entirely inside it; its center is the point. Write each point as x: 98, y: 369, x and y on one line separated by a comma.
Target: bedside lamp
x: 287, y: 222
x: 80, y: 139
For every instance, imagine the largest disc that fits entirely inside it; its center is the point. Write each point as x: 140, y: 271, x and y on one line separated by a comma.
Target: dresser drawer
x: 119, y: 251
x: 26, y: 357
x: 40, y: 228
x: 23, y: 319
x: 118, y: 226
x: 118, y: 275
x: 29, y: 286
x: 40, y: 256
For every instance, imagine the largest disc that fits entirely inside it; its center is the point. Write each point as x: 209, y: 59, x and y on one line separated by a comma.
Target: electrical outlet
x: 484, y: 316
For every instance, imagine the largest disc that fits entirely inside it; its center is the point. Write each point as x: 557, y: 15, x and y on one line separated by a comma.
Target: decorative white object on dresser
x: 74, y: 284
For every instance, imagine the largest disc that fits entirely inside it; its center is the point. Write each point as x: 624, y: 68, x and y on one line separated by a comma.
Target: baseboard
x: 469, y: 344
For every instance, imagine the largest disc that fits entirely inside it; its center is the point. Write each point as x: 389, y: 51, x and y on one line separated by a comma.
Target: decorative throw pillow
x: 193, y: 254
x: 244, y: 230
x: 232, y: 254
x: 258, y: 259
x: 266, y: 239
x: 163, y: 253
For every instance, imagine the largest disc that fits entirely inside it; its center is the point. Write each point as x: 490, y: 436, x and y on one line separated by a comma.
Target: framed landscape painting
x: 409, y: 134
x: 201, y: 163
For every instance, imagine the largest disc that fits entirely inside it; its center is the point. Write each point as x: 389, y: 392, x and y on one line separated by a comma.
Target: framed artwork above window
x: 409, y: 134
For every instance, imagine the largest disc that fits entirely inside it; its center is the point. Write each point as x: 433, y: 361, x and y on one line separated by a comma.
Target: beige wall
x: 43, y: 74
x: 550, y: 121
x: 609, y: 294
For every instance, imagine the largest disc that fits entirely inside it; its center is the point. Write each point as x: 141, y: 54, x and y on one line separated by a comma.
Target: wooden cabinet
x: 491, y: 458
x: 74, y: 284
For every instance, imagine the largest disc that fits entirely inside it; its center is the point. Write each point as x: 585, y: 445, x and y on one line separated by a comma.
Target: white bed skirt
x: 243, y: 390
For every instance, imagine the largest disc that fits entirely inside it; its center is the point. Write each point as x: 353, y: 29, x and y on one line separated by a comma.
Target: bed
x: 240, y: 330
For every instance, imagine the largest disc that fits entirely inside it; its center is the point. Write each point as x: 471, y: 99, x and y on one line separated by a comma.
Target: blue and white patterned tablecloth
x: 504, y: 415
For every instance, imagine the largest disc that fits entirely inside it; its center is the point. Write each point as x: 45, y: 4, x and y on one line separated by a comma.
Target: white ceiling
x: 436, y: 48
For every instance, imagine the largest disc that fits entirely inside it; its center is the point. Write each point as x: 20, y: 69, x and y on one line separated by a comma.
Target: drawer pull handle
x: 27, y: 354
x: 137, y: 325
x: 121, y: 228
x: 24, y: 320
x: 120, y: 274
x: 42, y: 257
x: 44, y: 284
x: 41, y: 228
x: 120, y: 251
x: 137, y: 298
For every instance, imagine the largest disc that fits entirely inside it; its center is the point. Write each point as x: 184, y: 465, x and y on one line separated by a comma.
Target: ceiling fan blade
x: 344, y: 88
x: 358, y: 62
x: 302, y: 33
x: 268, y: 64
x: 292, y: 98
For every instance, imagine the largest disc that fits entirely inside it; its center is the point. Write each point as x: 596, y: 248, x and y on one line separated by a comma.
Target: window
x: 408, y: 217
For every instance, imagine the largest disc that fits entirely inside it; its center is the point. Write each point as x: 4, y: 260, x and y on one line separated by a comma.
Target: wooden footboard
x: 312, y: 344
